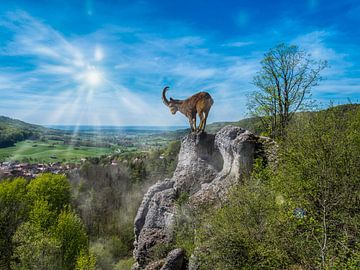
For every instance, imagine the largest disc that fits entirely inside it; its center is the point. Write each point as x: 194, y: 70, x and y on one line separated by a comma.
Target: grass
x: 50, y: 151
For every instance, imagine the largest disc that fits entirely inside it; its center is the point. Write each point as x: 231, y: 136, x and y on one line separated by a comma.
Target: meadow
x: 49, y: 151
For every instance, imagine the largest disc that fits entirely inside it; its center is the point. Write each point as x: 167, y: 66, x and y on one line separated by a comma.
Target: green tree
x: 71, y: 234
x: 284, y: 82
x: 36, y: 249
x: 13, y: 211
x: 41, y: 215
x: 53, y: 188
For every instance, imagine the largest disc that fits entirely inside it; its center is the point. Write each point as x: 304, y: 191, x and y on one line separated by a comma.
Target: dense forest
x: 81, y: 220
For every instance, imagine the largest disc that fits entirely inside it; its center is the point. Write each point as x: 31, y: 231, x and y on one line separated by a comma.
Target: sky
x: 106, y: 62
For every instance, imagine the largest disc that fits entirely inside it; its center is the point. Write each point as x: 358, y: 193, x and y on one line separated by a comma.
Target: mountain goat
x: 199, y: 103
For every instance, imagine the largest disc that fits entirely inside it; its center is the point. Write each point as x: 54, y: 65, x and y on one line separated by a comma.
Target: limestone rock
x: 208, y: 166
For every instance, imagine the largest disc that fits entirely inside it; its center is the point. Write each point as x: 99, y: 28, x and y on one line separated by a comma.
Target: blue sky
x: 106, y: 62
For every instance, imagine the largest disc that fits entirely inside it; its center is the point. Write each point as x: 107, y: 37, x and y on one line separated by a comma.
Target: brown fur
x: 199, y: 104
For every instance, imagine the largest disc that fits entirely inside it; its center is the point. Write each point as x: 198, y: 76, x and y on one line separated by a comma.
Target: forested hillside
x: 12, y: 131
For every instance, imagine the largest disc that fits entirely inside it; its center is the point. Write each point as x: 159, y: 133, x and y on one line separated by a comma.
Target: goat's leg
x: 201, y: 116
x: 201, y: 125
x: 191, y: 124
x: 204, y: 122
x: 194, y: 121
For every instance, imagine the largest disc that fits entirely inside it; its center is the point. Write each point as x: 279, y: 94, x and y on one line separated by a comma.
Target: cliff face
x: 209, y: 165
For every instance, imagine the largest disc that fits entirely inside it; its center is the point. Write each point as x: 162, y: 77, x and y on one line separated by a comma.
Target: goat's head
x: 170, y: 103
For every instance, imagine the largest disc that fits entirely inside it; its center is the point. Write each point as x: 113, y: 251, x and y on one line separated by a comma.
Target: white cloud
x: 315, y: 43
x: 238, y: 44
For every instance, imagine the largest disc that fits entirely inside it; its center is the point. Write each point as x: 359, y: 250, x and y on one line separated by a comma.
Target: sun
x: 93, y: 77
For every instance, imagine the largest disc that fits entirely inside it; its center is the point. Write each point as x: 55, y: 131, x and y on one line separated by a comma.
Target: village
x: 11, y: 169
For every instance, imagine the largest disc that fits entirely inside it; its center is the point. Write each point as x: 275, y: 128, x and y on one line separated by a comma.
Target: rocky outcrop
x: 208, y: 166
x: 174, y: 260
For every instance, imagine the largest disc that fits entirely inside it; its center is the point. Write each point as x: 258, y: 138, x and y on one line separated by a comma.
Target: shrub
x: 125, y: 264
x: 85, y: 261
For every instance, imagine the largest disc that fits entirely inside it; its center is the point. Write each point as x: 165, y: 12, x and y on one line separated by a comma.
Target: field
x: 49, y: 151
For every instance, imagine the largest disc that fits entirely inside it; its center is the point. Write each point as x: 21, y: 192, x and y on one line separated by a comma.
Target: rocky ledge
x: 208, y: 166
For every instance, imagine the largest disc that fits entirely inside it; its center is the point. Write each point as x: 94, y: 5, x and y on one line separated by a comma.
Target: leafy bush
x: 85, y: 261
x: 35, y: 249
x: 186, y: 224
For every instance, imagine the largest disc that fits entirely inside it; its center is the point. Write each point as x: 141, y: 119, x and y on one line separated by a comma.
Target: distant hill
x: 253, y: 124
x: 13, y: 130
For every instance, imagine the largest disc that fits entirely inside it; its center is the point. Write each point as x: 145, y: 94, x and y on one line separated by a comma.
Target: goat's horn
x: 165, y: 100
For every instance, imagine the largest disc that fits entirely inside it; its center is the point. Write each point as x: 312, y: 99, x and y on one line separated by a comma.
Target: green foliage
x: 237, y: 235
x: 324, y: 176
x: 161, y: 163
x: 109, y: 250
x: 85, y: 261
x: 52, y: 188
x: 186, y: 224
x: 182, y: 199
x: 13, y: 211
x: 36, y: 249
x: 71, y: 234
x: 137, y: 170
x: 37, y: 230
x: 160, y: 251
x: 12, y: 131
x: 119, y: 246
x: 102, y: 250
x: 41, y: 215
x: 125, y: 264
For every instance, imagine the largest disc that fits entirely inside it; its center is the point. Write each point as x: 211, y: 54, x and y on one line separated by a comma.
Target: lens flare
x: 93, y: 77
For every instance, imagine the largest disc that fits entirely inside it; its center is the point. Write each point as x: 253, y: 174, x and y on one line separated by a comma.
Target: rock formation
x: 208, y: 166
